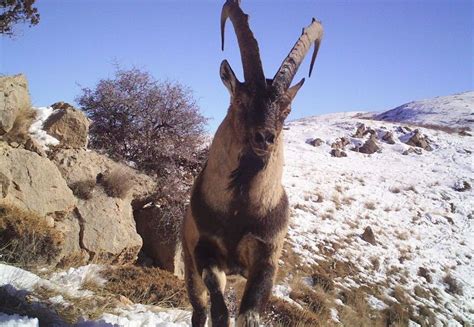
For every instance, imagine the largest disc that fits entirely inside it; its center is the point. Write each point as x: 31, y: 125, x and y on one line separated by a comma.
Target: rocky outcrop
x: 419, y: 140
x: 107, y: 228
x: 368, y: 236
x: 78, y: 166
x: 160, y: 240
x: 370, y: 146
x: 315, y: 142
x: 412, y: 150
x: 68, y: 125
x: 33, y: 183
x: 388, y: 138
x: 338, y: 153
x: 14, y: 98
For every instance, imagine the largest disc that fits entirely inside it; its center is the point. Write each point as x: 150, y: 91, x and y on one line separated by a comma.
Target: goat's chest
x: 231, y: 226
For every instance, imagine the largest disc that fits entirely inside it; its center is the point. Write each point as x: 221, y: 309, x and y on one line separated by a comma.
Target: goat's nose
x: 264, y: 137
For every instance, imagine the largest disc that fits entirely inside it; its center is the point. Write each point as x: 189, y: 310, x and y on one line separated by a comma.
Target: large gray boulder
x: 68, y: 125
x: 33, y: 183
x: 108, y: 231
x: 14, y: 97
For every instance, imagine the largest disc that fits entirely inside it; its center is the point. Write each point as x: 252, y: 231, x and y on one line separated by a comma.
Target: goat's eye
x: 259, y: 138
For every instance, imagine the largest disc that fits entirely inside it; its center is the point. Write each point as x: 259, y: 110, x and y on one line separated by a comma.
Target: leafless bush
x: 157, y: 126
x: 117, y: 183
x: 138, y: 119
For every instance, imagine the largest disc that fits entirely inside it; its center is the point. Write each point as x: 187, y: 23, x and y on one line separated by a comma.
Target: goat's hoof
x: 248, y: 319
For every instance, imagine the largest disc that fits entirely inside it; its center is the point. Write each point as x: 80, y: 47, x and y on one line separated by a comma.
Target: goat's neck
x: 265, y: 189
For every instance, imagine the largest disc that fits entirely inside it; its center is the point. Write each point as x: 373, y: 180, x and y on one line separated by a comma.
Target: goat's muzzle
x: 263, y: 141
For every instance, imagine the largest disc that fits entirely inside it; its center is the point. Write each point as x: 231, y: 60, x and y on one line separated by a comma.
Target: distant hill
x: 455, y: 111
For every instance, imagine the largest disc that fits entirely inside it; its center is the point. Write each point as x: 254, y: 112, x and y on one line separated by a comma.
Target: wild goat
x: 238, y: 215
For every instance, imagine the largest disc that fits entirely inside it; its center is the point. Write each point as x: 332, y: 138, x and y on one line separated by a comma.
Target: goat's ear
x: 228, y: 77
x: 292, y: 91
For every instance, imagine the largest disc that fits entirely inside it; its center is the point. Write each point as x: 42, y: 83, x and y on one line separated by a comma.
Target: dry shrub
x: 146, y: 285
x: 322, y: 280
x: 19, y: 132
x: 26, y: 239
x: 83, y: 189
x: 282, y: 313
x: 397, y: 314
x: 453, y: 285
x: 317, y: 301
x: 423, y: 272
x: 117, y: 183
x: 357, y: 312
x: 421, y: 292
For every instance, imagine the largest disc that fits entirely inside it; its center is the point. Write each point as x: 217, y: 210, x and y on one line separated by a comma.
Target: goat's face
x: 257, y: 114
x: 259, y: 106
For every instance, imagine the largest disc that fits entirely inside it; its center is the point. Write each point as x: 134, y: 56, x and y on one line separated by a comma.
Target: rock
x: 419, y: 140
x: 32, y: 145
x: 388, y: 137
x: 71, y: 249
x: 108, y: 232
x: 368, y: 236
x: 33, y: 183
x: 360, y: 131
x: 14, y: 98
x: 464, y: 133
x: 412, y: 150
x: 79, y: 166
x: 462, y: 186
x: 340, y: 143
x: 338, y: 153
x: 161, y: 241
x: 316, y: 142
x: 69, y: 125
x: 370, y: 146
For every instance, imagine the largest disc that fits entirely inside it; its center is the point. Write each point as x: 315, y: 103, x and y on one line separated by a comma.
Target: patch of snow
x: 36, y: 128
x: 452, y: 111
x: 17, y: 321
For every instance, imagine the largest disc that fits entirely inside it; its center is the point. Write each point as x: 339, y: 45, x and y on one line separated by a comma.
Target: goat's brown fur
x: 238, y: 216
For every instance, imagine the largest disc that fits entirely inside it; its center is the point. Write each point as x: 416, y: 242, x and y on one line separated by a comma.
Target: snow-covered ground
x: 451, y: 111
x: 409, y: 201
x: 413, y: 204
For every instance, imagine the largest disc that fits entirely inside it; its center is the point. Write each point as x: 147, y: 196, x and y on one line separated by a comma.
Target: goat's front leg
x: 258, y: 289
x: 207, y: 259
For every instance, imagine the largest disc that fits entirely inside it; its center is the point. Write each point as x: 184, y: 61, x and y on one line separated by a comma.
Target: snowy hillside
x: 455, y: 111
x: 417, y: 267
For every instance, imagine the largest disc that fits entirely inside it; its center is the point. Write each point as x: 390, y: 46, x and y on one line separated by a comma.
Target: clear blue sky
x: 375, y: 54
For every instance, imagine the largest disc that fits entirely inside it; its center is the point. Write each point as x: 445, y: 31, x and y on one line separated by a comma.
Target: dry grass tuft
x: 117, y: 183
x: 397, y: 315
x: 423, y: 272
x: 453, y: 285
x: 357, y: 312
x: 83, y: 189
x: 146, y: 285
x: 26, y: 239
x: 284, y: 314
x: 317, y: 301
x: 19, y: 132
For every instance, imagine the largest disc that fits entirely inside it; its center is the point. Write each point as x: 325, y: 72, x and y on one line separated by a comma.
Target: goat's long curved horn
x: 252, y: 65
x: 287, y: 71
